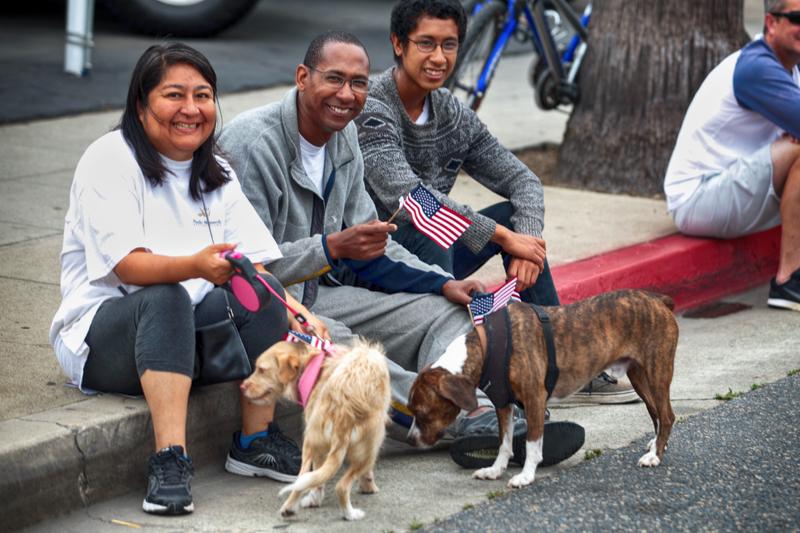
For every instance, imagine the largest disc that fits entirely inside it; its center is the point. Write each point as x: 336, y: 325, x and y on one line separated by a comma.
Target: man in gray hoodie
x: 300, y: 165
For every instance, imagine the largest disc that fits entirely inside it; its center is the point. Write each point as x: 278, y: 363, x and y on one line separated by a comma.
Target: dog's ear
x: 288, y: 366
x: 459, y: 390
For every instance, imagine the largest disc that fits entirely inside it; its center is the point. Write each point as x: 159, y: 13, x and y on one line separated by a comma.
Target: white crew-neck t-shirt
x: 313, y: 158
x: 423, y: 117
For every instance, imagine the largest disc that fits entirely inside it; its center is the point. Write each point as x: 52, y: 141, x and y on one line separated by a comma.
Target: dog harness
x: 494, y: 376
x: 309, y: 377
x: 313, y: 368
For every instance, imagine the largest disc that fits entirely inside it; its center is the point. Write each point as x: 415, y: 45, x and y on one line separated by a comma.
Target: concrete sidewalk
x: 61, y: 450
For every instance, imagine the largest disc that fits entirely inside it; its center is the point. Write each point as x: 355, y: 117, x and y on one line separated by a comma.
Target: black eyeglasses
x: 332, y: 79
x: 791, y: 16
x: 426, y: 46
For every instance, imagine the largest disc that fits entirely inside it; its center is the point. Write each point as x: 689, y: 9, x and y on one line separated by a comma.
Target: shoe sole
x: 243, y: 469
x: 155, y: 508
x: 780, y: 303
x: 561, y: 441
x: 597, y: 397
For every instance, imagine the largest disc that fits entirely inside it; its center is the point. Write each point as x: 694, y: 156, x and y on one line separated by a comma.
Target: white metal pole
x: 78, y: 47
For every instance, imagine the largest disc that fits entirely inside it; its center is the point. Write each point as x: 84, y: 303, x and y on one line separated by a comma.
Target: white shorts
x: 737, y: 201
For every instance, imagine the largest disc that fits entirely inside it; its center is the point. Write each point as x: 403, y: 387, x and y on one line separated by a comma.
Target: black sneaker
x: 275, y: 456
x: 477, y: 442
x: 786, y: 295
x: 169, y: 477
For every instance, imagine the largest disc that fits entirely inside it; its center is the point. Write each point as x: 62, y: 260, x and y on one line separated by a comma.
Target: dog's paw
x: 353, y: 514
x: 650, y: 459
x: 520, y: 480
x: 368, y: 487
x: 287, y: 511
x: 490, y: 472
x: 313, y: 498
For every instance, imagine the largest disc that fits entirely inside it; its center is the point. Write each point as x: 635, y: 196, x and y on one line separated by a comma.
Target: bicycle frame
x: 533, y: 11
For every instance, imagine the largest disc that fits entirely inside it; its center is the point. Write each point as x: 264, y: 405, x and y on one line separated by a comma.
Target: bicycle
x: 492, y: 24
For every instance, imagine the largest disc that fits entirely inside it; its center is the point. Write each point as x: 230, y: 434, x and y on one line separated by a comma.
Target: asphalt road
x: 261, y: 51
x: 731, y: 468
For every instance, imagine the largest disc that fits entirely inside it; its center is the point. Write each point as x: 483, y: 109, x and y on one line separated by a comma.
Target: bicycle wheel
x: 482, y: 33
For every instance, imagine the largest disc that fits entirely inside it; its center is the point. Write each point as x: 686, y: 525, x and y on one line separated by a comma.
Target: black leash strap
x: 494, y: 377
x: 551, y: 377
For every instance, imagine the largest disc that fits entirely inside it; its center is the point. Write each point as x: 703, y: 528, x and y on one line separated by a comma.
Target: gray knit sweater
x: 399, y: 154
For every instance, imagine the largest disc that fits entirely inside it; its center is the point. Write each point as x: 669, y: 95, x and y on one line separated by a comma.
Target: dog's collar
x: 310, y: 376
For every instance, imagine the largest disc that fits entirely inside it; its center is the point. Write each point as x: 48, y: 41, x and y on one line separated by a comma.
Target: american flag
x: 316, y: 342
x: 438, y: 222
x: 486, y: 304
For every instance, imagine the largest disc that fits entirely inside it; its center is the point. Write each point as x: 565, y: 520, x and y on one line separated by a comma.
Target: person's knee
x: 168, y: 298
x: 274, y: 313
x: 785, y: 155
x: 273, y: 282
x: 500, y: 212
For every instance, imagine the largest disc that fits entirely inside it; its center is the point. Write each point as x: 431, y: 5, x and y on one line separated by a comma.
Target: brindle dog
x: 624, y: 330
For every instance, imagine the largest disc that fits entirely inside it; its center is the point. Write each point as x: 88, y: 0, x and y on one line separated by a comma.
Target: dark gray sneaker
x: 786, y: 295
x: 603, y: 389
x: 169, y: 478
x: 477, y: 443
x: 275, y: 456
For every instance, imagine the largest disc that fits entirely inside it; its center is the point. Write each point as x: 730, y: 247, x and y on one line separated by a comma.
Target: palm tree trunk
x: 645, y: 61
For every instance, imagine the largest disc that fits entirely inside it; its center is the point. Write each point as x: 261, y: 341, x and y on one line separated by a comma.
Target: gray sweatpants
x: 415, y: 329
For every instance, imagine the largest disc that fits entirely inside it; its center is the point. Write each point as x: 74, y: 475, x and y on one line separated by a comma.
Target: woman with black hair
x: 152, y: 207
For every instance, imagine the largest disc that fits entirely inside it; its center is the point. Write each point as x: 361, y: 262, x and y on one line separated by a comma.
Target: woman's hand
x: 211, y: 266
x: 315, y: 326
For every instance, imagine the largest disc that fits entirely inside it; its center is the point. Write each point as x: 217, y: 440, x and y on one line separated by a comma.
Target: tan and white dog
x: 628, y: 330
x: 345, y: 416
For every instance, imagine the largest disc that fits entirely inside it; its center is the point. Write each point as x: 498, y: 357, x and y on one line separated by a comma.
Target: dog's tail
x: 326, y: 471
x: 666, y: 300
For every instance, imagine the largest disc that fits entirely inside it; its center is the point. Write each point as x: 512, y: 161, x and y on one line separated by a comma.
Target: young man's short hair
x: 406, y: 15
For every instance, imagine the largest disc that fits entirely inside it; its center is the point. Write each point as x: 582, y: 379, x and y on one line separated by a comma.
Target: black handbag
x: 220, y: 354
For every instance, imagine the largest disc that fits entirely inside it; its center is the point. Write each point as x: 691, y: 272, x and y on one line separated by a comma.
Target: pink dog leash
x: 249, y: 293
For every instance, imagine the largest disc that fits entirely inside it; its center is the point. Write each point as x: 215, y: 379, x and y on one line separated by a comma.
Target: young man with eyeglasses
x: 301, y: 167
x: 413, y: 131
x: 735, y: 169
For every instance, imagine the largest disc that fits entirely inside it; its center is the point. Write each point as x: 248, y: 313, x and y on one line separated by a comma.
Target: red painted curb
x: 693, y: 271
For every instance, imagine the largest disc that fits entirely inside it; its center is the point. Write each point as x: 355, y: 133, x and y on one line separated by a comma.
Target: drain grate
x: 716, y: 310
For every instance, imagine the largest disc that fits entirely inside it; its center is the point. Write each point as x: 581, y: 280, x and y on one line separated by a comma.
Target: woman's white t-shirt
x: 114, y: 209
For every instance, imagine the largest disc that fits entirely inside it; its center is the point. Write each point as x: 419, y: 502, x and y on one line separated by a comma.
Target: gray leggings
x: 154, y: 328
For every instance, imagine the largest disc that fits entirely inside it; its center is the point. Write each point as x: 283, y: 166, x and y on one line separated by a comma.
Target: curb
x: 74, y: 456
x: 693, y: 271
